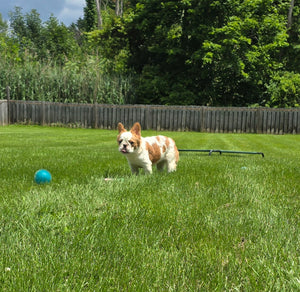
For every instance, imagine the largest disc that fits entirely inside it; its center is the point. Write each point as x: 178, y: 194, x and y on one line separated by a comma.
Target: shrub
x: 284, y: 90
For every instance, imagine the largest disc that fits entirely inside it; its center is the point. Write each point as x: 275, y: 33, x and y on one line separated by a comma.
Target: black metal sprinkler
x: 210, y: 151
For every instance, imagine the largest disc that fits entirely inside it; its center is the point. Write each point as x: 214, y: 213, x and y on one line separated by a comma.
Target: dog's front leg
x: 148, y: 168
x: 134, y: 169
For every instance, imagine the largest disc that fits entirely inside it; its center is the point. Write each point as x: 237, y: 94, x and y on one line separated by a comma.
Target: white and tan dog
x: 143, y: 152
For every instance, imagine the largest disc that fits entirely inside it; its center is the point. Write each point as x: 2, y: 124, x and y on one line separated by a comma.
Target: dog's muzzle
x: 124, y: 149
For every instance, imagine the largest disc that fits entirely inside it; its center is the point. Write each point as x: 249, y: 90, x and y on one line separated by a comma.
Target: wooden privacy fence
x: 172, y: 118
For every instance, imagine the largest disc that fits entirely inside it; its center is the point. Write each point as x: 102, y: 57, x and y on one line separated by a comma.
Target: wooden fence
x: 172, y: 118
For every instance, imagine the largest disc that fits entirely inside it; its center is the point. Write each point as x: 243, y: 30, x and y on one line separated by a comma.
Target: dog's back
x: 162, y: 151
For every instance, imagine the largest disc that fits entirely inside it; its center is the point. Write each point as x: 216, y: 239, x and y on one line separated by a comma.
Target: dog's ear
x: 136, y: 129
x: 121, y: 128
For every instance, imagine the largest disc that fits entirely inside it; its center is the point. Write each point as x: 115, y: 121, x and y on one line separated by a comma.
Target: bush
x: 284, y: 90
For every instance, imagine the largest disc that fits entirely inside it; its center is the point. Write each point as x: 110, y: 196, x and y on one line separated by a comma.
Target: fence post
x: 8, y: 103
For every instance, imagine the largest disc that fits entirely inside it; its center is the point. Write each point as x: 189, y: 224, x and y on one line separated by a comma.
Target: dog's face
x: 129, y: 141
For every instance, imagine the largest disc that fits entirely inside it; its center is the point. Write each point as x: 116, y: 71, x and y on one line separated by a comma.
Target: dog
x: 144, y: 152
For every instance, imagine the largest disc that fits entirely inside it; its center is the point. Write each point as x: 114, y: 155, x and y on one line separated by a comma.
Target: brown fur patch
x: 154, y: 152
x: 121, y: 128
x: 135, y: 141
x: 136, y: 129
x: 164, y: 149
x: 118, y: 139
x: 167, y: 142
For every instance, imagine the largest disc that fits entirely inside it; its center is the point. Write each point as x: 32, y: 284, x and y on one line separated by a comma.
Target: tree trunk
x: 290, y: 14
x: 119, y: 8
x: 100, y: 21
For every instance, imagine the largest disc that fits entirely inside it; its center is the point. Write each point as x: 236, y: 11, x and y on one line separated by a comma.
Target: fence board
x: 173, y: 120
x: 243, y: 121
x: 296, y: 123
x: 221, y: 120
x: 183, y: 119
x: 178, y: 120
x: 281, y: 120
x: 240, y: 121
x: 207, y: 118
x: 289, y: 122
x: 264, y: 121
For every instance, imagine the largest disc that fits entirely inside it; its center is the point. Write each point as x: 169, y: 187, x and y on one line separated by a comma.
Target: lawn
x: 220, y: 223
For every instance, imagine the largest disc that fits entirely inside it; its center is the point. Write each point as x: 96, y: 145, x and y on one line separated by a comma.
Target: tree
x: 59, y: 41
x: 18, y: 24
x: 245, y: 51
x: 158, y: 46
x: 3, y: 26
x: 50, y: 40
x: 90, y: 15
x: 292, y: 53
x: 228, y: 49
x: 33, y: 25
x: 27, y: 30
x: 9, y: 48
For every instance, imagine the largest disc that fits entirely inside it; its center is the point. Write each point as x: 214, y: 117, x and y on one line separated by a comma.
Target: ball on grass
x: 42, y: 176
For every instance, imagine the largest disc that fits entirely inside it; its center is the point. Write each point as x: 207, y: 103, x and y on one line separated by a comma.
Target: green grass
x: 220, y: 223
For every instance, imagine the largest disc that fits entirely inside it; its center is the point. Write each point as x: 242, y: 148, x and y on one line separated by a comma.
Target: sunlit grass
x: 221, y: 222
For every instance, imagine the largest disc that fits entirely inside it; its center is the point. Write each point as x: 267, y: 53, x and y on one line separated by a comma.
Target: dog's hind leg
x: 172, y: 160
x: 160, y: 166
x: 172, y: 165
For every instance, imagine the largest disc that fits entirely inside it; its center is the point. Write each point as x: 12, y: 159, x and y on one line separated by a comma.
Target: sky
x: 66, y: 11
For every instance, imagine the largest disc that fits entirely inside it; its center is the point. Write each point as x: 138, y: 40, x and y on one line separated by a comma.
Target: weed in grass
x: 224, y: 223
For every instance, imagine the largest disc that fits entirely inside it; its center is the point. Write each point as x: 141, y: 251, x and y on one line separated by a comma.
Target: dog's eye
x: 120, y: 141
x: 131, y: 143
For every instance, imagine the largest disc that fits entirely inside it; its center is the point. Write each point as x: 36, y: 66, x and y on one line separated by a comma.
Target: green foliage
x: 9, y: 50
x: 111, y: 43
x: 50, y: 40
x: 228, y: 53
x: 284, y: 90
x: 292, y: 53
x: 3, y: 26
x: 17, y: 22
x: 44, y: 61
x: 243, y: 54
x: 156, y: 34
x: 74, y: 82
x: 90, y: 16
x: 229, y: 50
x: 59, y: 42
x: 219, y: 223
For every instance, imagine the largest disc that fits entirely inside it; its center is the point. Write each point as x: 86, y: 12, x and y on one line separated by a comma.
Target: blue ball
x: 42, y: 176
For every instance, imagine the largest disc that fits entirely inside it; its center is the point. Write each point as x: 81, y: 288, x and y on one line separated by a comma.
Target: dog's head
x: 129, y: 141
